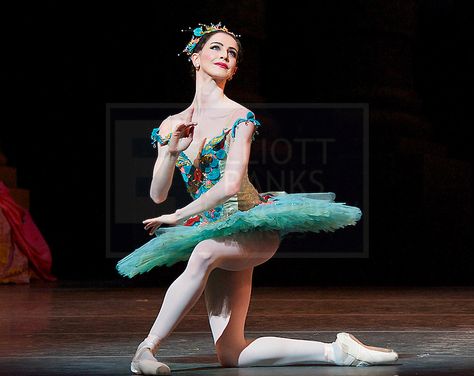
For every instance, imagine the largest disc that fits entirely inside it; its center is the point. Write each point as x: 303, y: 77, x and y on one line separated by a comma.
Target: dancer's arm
x: 229, y: 185
x: 168, y: 152
x: 164, y: 167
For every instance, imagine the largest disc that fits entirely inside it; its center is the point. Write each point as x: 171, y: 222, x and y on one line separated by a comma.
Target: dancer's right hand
x: 182, y: 133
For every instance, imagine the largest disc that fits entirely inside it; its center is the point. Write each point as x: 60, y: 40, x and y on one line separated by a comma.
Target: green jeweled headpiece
x: 199, y: 31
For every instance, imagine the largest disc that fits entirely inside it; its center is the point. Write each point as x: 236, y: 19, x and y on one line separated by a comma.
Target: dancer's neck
x: 209, y: 95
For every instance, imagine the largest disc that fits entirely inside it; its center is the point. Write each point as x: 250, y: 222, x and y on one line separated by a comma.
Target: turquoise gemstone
x: 214, y: 174
x: 214, y: 163
x: 221, y: 154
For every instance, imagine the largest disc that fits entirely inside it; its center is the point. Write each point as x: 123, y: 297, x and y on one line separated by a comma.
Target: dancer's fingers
x: 152, y: 231
x: 149, y: 229
x: 189, y: 130
x: 149, y: 225
x: 180, y: 127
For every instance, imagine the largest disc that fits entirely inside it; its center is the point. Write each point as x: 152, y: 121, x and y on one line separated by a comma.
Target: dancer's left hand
x: 153, y: 223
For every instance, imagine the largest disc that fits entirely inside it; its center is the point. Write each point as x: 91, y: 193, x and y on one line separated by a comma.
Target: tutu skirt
x: 285, y: 212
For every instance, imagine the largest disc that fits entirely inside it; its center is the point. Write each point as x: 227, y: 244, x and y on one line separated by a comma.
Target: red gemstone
x: 198, y: 175
x: 192, y: 220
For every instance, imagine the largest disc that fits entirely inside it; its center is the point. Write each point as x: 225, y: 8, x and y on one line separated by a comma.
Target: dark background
x: 62, y: 63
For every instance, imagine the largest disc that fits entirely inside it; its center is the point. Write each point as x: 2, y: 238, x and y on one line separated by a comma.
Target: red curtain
x: 26, y: 236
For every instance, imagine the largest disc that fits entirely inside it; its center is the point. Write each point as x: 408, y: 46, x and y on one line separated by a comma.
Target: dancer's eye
x: 232, y: 52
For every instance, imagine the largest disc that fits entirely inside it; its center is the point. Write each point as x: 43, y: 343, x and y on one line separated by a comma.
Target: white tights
x: 222, y: 269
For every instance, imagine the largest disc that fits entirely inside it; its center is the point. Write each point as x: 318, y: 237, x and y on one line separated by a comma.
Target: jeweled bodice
x: 209, y: 168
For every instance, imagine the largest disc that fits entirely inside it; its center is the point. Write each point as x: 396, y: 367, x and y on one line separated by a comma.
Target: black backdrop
x: 62, y: 63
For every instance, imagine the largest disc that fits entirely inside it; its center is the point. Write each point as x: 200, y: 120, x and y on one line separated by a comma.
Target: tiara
x: 199, y: 31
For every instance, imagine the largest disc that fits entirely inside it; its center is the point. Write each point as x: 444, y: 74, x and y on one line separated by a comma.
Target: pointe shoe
x: 147, y: 366
x: 363, y: 355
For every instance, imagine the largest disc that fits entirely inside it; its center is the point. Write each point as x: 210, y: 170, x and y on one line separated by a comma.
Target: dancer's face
x: 218, y: 57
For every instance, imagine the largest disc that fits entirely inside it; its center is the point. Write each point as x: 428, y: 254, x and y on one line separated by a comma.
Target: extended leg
x: 278, y: 351
x: 227, y: 296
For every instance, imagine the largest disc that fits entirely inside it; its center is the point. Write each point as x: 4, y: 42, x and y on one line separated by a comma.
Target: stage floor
x: 51, y: 329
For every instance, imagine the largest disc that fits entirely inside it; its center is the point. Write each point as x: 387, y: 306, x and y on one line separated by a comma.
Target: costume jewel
x: 199, y: 31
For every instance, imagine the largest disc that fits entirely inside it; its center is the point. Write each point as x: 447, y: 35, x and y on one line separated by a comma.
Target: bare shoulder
x: 165, y: 127
x: 237, y: 109
x: 182, y: 115
x: 179, y: 117
x: 241, y: 112
x: 244, y: 123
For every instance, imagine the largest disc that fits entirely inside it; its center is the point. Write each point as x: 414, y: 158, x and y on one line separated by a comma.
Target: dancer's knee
x: 229, y: 350
x: 201, y: 261
x: 229, y: 356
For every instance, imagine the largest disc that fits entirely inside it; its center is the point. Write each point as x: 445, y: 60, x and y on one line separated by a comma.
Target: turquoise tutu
x: 285, y: 212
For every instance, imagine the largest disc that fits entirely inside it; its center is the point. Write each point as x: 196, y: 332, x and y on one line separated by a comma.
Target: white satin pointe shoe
x: 359, y: 354
x: 147, y: 365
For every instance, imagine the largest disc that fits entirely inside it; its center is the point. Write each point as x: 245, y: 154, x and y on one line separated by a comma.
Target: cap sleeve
x: 249, y: 118
x: 155, y: 136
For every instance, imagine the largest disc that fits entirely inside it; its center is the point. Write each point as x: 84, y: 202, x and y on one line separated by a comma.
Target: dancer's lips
x: 222, y: 65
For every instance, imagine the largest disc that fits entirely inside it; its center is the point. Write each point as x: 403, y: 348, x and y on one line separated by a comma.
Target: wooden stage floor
x: 55, y: 329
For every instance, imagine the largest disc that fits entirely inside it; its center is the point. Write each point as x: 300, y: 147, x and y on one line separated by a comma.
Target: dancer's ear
x: 196, y: 60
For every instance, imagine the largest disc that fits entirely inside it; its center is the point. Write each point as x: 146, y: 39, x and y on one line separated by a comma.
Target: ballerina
x: 229, y: 228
